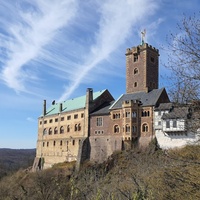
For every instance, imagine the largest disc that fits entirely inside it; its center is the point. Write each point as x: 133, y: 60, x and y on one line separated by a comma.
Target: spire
x: 143, y: 33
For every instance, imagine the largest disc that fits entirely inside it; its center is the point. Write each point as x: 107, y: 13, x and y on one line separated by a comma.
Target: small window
x: 45, y: 121
x: 68, y: 128
x: 135, y: 84
x: 50, y: 121
x: 167, y: 124
x: 68, y: 117
x: 174, y: 124
x: 61, y: 129
x: 82, y: 115
x: 76, y: 127
x: 79, y: 127
x: 76, y: 116
x: 152, y: 59
x: 54, y: 143
x: 134, y: 114
x: 47, y: 144
x: 145, y: 128
x: 40, y: 122
x: 45, y: 131
x: 43, y: 144
x: 62, y: 119
x: 159, y: 123
x: 61, y: 143
x: 55, y: 130
x: 135, y: 58
x: 116, y: 129
x: 73, y: 142
x: 56, y: 119
x: 134, y: 129
x: 99, y: 121
x: 50, y: 131
x: 128, y: 114
x: 159, y: 112
x: 127, y: 128
x: 136, y: 71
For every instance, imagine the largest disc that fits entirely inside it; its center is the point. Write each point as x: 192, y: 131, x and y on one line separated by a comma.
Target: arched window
x: 79, y: 127
x: 127, y: 128
x: 136, y: 71
x: 55, y: 130
x: 116, y: 129
x: 50, y: 131
x: 68, y: 128
x: 135, y: 84
x: 134, y: 114
x: 61, y: 129
x: 145, y: 127
x: 45, y: 131
x: 76, y: 127
x: 148, y: 113
x: 134, y: 129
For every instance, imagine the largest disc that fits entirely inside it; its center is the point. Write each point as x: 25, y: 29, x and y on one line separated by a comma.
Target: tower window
x: 136, y: 71
x: 145, y: 128
x: 152, y: 59
x: 135, y: 84
x: 135, y: 58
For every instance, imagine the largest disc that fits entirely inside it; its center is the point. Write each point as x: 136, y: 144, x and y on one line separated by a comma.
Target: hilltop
x: 133, y: 174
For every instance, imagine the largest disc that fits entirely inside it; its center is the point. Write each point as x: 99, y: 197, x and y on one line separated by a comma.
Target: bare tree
x: 184, y: 60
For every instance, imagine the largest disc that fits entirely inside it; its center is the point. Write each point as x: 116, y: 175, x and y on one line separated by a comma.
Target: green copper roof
x: 71, y: 104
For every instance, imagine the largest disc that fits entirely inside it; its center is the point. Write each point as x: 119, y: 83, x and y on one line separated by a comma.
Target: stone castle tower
x: 141, y: 68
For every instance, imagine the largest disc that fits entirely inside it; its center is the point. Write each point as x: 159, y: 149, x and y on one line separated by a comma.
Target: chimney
x: 60, y: 108
x: 89, y: 94
x: 44, y: 108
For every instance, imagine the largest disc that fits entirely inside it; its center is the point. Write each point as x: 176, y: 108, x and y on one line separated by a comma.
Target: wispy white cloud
x: 116, y: 22
x: 30, y: 119
x: 36, y: 26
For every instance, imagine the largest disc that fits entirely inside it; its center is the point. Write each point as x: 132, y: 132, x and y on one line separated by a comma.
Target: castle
x: 93, y: 126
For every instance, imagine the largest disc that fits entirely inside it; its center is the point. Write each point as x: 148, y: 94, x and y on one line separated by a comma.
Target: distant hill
x: 12, y: 160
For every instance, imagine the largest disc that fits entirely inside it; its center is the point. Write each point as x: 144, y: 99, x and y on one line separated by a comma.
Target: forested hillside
x: 135, y: 175
x: 12, y: 160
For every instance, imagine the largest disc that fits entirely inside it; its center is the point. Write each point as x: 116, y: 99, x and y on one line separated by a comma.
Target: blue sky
x: 54, y: 50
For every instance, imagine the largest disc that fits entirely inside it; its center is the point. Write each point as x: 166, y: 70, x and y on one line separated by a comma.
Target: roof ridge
x: 116, y: 101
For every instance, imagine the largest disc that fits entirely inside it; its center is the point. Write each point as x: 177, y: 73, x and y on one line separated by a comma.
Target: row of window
x: 135, y: 58
x: 145, y: 128
x: 174, y: 124
x: 50, y: 131
x: 134, y: 114
x: 151, y: 84
x: 98, y: 132
x: 60, y: 143
x: 69, y: 117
